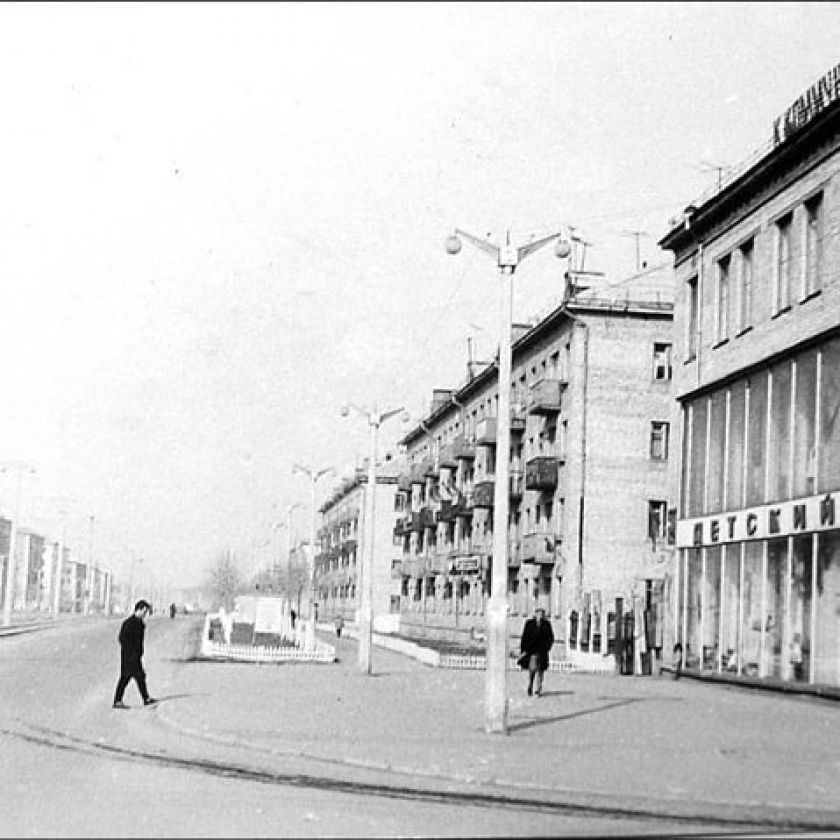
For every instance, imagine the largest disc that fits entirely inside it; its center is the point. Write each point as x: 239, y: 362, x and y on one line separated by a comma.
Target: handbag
x: 523, y: 660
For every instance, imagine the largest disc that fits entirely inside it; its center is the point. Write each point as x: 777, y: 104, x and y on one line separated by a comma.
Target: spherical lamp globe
x: 453, y: 244
x: 561, y: 249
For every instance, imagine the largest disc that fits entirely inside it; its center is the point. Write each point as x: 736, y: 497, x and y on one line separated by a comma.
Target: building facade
x: 341, y: 540
x: 756, y: 582
x: 590, y: 442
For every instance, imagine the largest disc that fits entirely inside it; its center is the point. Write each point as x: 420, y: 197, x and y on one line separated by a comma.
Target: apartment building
x: 341, y: 540
x: 757, y: 383
x: 590, y: 442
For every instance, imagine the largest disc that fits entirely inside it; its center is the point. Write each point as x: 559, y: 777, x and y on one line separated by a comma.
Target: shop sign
x: 815, y: 99
x: 467, y: 564
x: 782, y: 519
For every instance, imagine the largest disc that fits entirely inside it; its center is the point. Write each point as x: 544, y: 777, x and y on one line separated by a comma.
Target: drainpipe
x: 581, y: 510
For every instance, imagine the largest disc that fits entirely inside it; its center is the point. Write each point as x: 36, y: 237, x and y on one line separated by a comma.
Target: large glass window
x: 775, y: 609
x: 711, y: 609
x: 804, y: 425
x: 801, y: 609
x: 735, y: 464
x: 756, y: 438
x: 752, y: 620
x: 693, y: 649
x: 827, y: 636
x: 716, y: 457
x: 778, y: 444
x: 829, y: 428
x: 731, y: 556
x: 697, y: 464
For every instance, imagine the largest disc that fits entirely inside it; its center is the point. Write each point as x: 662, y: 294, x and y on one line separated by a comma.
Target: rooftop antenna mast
x: 637, y: 234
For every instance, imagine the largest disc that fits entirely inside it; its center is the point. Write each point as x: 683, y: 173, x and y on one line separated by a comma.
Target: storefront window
x: 735, y: 465
x: 804, y: 425
x: 801, y: 609
x: 717, y: 444
x: 751, y: 609
x: 711, y: 610
x: 827, y: 636
x: 731, y: 558
x: 775, y: 609
x: 778, y: 443
x: 693, y: 648
x: 756, y: 438
x: 829, y: 428
x: 697, y: 463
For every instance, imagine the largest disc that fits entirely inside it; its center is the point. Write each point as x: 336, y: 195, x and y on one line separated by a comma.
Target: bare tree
x: 225, y: 580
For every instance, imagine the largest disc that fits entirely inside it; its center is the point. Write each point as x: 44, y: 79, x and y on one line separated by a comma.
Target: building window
x: 784, y: 264
x: 813, y: 245
x: 722, y: 313
x: 659, y: 441
x: 745, y: 285
x: 692, y: 322
x: 661, y: 362
x: 657, y: 520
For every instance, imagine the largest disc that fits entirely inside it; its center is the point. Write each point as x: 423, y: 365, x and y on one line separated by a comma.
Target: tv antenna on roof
x: 637, y: 234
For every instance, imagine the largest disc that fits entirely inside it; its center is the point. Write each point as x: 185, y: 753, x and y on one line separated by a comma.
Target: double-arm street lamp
x: 313, y: 477
x: 375, y: 420
x: 19, y: 469
x: 508, y: 258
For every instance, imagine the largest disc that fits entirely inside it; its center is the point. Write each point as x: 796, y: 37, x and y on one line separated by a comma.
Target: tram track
x: 728, y: 817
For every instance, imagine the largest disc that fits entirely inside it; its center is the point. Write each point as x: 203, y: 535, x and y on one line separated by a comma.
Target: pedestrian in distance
x: 339, y: 626
x: 131, y: 634
x: 537, y: 639
x: 172, y: 610
x: 294, y: 618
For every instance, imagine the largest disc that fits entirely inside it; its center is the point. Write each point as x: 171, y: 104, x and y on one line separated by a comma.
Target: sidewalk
x: 681, y: 747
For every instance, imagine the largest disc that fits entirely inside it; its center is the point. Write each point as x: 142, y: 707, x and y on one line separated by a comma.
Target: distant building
x: 590, y: 443
x: 757, y: 380
x: 341, y: 539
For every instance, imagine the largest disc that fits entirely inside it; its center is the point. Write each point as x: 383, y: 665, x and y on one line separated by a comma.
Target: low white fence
x: 295, y: 651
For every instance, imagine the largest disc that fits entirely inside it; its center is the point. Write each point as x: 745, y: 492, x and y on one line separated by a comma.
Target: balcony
x: 517, y: 422
x: 515, y: 481
x: 399, y: 527
x: 541, y: 473
x: 544, y: 396
x: 463, y: 448
x: 396, y: 569
x: 446, y: 511
x: 464, y: 506
x: 538, y: 547
x: 483, y: 495
x: 412, y: 522
x: 485, y: 432
x: 404, y: 482
x: 427, y: 517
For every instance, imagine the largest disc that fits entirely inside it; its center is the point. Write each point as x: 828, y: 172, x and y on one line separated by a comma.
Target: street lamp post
x: 18, y: 468
x: 375, y: 419
x: 508, y: 258
x: 313, y: 477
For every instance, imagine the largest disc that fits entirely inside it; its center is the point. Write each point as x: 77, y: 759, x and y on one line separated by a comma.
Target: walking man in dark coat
x: 131, y: 635
x: 537, y: 639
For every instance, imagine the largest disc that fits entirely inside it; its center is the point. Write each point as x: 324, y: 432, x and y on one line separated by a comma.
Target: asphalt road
x: 73, y: 767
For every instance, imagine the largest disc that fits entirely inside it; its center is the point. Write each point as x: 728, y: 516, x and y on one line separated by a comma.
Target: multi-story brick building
x: 590, y: 394
x: 757, y: 362
x: 338, y: 566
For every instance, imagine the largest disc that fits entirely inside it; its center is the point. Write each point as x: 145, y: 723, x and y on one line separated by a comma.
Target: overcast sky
x: 218, y: 223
